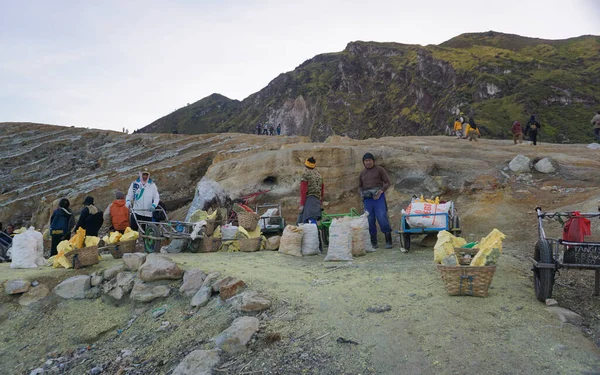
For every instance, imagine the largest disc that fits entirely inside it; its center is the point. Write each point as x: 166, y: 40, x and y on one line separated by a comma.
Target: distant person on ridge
x: 117, y: 213
x: 517, y: 132
x: 373, y: 182
x: 271, y: 130
x: 279, y: 129
x: 596, y: 124
x: 258, y: 129
x: 142, y: 198
x: 91, y: 218
x: 458, y: 128
x: 473, y: 130
x: 532, y: 129
x: 266, y: 129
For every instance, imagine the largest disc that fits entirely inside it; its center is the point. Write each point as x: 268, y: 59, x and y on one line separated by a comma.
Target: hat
x: 368, y: 155
x: 146, y: 171
x: 310, y: 162
x: 119, y: 195
x: 88, y: 200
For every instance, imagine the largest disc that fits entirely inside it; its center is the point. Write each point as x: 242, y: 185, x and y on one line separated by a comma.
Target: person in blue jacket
x: 61, y: 223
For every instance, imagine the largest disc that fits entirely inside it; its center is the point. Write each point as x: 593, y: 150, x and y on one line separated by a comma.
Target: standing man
x: 117, y: 213
x: 265, y: 129
x: 373, y: 182
x: 142, y: 198
x: 91, y: 218
x: 279, y: 129
x: 312, y: 190
x: 258, y: 129
x: 517, y: 132
x: 61, y: 223
x: 533, y: 126
x: 596, y: 124
x: 458, y: 128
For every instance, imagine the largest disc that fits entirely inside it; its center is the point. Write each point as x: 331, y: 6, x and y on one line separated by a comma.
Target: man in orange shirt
x: 117, y: 213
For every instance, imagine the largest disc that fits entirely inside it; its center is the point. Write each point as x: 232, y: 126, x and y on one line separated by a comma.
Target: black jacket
x: 89, y: 221
x: 61, y: 221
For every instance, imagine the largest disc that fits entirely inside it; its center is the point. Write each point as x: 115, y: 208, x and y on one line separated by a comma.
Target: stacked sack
x: 27, y: 249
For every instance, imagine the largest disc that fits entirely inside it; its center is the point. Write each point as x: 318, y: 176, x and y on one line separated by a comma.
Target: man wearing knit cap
x: 142, y: 197
x: 311, y: 193
x: 91, y: 218
x: 117, y: 213
x: 373, y: 182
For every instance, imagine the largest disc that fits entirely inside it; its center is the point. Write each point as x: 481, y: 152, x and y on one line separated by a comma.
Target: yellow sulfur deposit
x: 445, y: 245
x: 91, y: 241
x: 78, y: 238
x: 64, y: 246
x: 217, y: 233
x: 243, y: 233
x: 129, y: 235
x: 490, y: 248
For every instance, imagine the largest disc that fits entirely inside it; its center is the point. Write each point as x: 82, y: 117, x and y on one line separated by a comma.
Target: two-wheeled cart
x: 449, y: 221
x: 552, y: 254
x: 153, y: 233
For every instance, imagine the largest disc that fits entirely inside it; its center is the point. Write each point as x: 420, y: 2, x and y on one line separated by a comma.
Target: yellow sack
x: 129, y: 235
x: 445, y: 245
x: 64, y: 247
x: 78, y: 238
x: 490, y: 248
x: 255, y: 233
x: 217, y: 233
x: 91, y: 241
x: 199, y: 215
x: 263, y: 243
x: 242, y: 233
x: 212, y: 216
x: 230, y: 246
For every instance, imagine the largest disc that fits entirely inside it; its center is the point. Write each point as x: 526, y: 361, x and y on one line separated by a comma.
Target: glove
x: 128, y: 204
x: 153, y: 207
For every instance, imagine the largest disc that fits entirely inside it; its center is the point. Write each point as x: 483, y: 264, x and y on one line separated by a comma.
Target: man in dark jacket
x: 373, y: 182
x: 61, y: 223
x: 91, y: 218
x: 532, y: 128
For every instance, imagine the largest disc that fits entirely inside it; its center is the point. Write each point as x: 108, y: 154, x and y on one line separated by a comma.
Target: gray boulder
x: 192, y: 282
x: 249, y: 302
x: 143, y: 292
x: 211, y: 278
x: 234, y: 339
x: 113, y: 271
x: 544, y: 166
x: 201, y: 297
x: 16, y: 286
x: 125, y: 280
x: 198, y: 362
x: 159, y: 267
x: 73, y: 287
x: 520, y: 164
x: 33, y: 295
x: 133, y: 261
x: 566, y: 315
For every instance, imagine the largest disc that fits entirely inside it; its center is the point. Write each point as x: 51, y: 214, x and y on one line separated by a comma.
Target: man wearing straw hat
x: 311, y: 193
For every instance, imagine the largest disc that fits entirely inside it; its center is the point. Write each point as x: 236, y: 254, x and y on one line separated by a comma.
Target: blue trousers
x: 377, y: 209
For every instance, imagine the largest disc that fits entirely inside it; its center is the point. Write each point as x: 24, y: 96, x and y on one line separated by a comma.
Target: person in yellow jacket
x: 458, y: 128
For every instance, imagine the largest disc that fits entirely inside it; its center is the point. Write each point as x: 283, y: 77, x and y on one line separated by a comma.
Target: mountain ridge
x: 378, y: 89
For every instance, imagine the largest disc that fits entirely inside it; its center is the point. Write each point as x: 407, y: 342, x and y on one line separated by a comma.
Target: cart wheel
x: 456, y: 226
x: 543, y: 278
x: 150, y: 244
x: 405, y: 241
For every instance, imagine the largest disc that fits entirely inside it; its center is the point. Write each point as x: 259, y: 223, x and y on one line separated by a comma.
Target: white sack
x: 310, y: 239
x: 340, y: 240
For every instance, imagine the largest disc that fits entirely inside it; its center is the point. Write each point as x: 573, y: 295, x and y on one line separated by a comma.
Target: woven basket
x: 466, y: 280
x: 83, y: 257
x: 249, y: 245
x: 248, y: 220
x: 117, y: 250
x: 210, y: 245
x: 210, y: 227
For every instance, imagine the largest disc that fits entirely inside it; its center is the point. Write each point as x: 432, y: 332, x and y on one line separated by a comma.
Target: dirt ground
x: 315, y: 305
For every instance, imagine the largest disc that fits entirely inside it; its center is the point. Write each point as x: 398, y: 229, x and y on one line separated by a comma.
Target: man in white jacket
x: 143, y: 197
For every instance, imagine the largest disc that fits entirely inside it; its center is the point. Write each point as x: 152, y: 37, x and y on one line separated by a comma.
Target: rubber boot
x: 388, y: 241
x: 374, y: 241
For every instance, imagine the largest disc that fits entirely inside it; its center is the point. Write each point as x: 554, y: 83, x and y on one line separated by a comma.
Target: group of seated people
x: 6, y: 235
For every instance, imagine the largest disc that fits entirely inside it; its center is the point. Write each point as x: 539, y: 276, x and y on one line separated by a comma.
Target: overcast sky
x: 114, y: 64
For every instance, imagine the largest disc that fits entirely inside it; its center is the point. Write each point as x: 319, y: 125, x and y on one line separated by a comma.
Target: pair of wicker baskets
x: 248, y: 220
x: 210, y: 245
x: 85, y: 256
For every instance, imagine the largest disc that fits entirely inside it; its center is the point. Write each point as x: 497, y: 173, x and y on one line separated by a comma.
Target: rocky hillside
x: 381, y: 89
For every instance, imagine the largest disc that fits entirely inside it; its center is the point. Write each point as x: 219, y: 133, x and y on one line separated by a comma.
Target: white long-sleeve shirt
x: 142, y: 196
